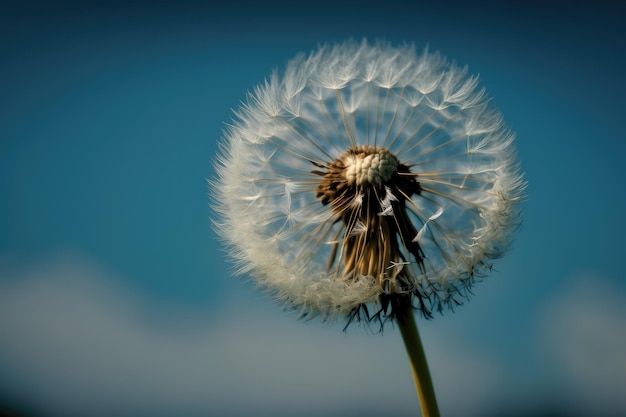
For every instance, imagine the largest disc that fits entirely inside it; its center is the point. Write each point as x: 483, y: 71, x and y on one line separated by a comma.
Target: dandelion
x: 366, y: 182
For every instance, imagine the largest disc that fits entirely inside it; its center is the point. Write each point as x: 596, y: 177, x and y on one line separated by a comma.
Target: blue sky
x: 114, y: 293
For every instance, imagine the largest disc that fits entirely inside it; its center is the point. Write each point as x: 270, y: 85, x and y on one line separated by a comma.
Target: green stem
x: 419, y: 366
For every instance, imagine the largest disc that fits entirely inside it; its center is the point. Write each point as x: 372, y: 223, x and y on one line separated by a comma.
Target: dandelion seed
x: 421, y: 232
x: 337, y: 169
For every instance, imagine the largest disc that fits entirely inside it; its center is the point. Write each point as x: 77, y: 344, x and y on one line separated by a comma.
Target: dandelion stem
x: 419, y: 366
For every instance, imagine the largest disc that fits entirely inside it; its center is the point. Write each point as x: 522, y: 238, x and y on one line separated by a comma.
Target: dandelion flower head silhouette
x: 366, y: 179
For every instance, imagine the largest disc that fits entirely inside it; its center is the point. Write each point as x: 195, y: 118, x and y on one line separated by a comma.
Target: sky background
x: 116, y: 300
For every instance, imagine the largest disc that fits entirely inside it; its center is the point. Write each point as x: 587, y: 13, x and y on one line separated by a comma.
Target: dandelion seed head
x: 364, y: 177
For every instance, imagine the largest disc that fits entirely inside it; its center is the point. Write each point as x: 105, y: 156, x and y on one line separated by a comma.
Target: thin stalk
x: 419, y: 366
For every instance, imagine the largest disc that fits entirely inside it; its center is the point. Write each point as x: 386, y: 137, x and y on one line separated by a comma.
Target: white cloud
x: 582, y: 338
x: 76, y: 344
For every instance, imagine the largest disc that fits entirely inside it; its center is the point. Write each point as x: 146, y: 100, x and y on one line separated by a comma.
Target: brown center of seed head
x: 367, y: 188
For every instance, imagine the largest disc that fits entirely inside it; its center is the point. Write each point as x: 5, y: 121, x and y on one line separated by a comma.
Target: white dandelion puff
x: 367, y: 177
